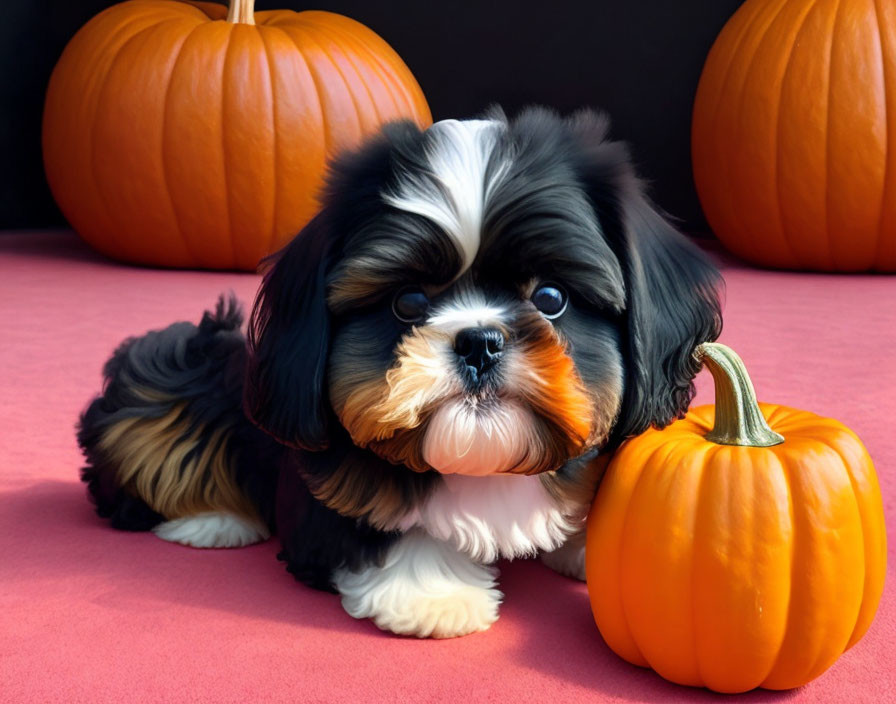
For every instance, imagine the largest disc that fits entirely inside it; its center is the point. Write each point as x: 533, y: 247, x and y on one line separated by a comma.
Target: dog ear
x: 290, y: 327
x: 289, y: 342
x: 672, y: 290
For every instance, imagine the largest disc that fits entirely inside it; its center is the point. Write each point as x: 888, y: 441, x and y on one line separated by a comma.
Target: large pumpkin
x: 178, y: 134
x: 743, y: 546
x: 794, y: 134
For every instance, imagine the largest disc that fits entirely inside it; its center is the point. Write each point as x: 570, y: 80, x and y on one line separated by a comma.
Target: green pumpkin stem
x: 739, y: 421
x: 241, y: 12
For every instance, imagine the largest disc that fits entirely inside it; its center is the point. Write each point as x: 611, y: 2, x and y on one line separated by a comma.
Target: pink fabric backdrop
x: 94, y: 615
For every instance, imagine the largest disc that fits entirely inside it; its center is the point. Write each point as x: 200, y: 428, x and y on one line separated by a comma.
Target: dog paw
x: 425, y: 589
x: 464, y: 611
x: 212, y: 530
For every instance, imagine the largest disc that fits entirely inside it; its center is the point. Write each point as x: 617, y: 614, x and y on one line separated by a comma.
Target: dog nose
x: 479, y: 348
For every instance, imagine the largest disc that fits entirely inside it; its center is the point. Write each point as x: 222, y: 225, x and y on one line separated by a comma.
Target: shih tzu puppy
x: 434, y: 369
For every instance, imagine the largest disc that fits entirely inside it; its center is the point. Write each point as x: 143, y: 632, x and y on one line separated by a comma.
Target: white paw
x: 425, y: 588
x: 569, y: 558
x: 212, y: 530
x: 458, y: 613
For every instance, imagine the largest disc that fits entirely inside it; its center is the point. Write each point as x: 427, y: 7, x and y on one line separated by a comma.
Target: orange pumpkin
x: 732, y: 557
x: 178, y: 134
x: 794, y: 134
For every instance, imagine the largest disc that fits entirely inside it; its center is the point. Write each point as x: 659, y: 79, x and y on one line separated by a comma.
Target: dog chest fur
x: 495, y: 516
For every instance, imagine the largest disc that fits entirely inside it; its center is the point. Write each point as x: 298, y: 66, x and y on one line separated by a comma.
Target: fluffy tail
x: 167, y: 438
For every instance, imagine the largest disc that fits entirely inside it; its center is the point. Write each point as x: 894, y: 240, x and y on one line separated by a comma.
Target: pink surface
x: 91, y: 614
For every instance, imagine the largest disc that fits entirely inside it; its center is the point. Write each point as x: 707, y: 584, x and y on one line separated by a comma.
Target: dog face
x: 474, y: 378
x: 487, y: 296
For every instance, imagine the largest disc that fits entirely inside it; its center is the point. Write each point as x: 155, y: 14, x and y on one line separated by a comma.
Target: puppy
x: 435, y: 368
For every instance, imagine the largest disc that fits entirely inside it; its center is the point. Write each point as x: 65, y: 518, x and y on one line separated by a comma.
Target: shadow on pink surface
x: 543, y: 613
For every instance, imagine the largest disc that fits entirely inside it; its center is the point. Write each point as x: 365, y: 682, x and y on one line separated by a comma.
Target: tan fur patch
x: 547, y: 379
x: 157, y: 461
x: 404, y: 448
x: 365, y: 486
x: 422, y: 374
x: 148, y: 394
x: 358, y: 282
x: 571, y: 417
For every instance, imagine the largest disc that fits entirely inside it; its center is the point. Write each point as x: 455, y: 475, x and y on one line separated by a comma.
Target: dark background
x: 637, y: 59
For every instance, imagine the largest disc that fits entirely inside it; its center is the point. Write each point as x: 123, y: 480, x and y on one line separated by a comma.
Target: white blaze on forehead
x: 454, y: 196
x: 467, y: 309
x: 456, y: 319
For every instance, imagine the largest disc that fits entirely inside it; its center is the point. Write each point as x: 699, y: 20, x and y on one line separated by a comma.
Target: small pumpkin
x: 743, y: 546
x: 792, y: 134
x: 185, y: 134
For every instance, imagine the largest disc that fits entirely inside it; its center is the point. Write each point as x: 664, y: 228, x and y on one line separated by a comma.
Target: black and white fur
x: 402, y: 504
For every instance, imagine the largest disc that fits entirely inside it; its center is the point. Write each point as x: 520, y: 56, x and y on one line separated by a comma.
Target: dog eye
x: 551, y: 300
x: 410, y: 305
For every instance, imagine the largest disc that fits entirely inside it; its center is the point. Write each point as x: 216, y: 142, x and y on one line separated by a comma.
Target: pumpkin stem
x: 738, y: 418
x: 241, y: 12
